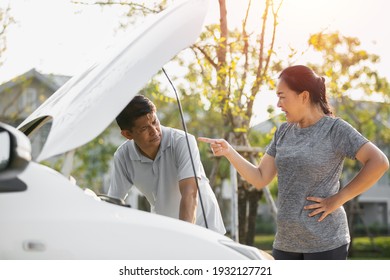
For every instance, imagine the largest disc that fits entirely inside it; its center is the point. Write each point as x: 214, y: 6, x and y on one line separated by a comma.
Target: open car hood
x: 84, y: 106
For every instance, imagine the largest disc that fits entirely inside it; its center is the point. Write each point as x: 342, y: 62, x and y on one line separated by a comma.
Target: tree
x: 5, y: 21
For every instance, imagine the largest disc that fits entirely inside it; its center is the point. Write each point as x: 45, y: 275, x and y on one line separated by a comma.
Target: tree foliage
x: 92, y: 161
x: 5, y: 21
x: 234, y: 65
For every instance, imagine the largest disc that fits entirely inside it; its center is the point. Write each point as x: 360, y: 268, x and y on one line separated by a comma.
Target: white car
x: 44, y: 215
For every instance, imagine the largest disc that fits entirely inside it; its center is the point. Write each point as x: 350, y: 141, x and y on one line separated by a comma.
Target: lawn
x: 363, y: 248
x: 377, y: 248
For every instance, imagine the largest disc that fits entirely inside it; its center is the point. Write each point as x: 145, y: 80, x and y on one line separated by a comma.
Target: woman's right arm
x: 258, y: 176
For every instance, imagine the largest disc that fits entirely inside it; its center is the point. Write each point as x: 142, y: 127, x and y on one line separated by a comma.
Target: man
x: 155, y: 159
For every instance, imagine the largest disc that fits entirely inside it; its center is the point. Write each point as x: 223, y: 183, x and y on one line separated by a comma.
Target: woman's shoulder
x: 284, y: 127
x: 340, y: 128
x: 337, y: 122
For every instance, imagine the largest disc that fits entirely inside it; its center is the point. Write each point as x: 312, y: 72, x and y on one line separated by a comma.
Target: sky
x: 56, y: 36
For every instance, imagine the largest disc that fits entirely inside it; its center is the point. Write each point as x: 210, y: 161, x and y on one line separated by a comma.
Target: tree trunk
x: 242, y: 212
x: 253, y: 200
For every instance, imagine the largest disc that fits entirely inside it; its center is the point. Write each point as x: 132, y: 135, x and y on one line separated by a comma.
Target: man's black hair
x: 139, y: 106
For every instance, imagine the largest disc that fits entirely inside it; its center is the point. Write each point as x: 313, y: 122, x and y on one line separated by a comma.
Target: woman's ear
x: 126, y: 133
x: 305, y: 96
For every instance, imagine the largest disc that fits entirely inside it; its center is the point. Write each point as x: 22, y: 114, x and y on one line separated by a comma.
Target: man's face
x: 146, y: 132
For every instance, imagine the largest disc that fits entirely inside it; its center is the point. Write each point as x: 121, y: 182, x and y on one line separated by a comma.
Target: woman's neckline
x: 319, y: 121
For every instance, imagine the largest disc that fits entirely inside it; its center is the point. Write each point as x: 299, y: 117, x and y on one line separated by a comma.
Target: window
x: 29, y: 100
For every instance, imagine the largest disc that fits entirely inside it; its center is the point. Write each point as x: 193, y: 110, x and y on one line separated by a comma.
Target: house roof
x: 53, y: 82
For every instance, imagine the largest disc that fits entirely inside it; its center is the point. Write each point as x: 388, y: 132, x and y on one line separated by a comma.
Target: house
x: 373, y: 209
x: 23, y: 94
x: 20, y: 96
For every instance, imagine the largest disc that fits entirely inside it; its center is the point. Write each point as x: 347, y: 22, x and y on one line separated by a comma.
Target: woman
x: 307, y: 154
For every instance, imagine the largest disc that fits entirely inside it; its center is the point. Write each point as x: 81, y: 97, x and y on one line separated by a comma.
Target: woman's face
x: 290, y: 102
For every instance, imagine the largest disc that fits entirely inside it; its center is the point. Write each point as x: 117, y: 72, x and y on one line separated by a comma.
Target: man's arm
x: 120, y: 184
x: 189, y: 201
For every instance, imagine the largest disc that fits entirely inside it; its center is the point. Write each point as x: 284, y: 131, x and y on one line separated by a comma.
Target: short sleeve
x: 183, y: 158
x: 271, y: 148
x: 120, y: 183
x: 346, y: 139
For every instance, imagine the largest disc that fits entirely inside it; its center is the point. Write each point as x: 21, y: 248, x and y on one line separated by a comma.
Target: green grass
x: 264, y: 242
x: 376, y: 249
x: 362, y: 247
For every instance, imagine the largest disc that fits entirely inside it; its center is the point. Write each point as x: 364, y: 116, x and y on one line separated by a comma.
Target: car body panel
x: 54, y: 219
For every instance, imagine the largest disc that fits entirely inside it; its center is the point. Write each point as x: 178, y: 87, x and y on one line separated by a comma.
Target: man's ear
x: 126, y: 133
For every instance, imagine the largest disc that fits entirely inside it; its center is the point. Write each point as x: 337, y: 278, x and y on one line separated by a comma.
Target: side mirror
x: 15, y: 152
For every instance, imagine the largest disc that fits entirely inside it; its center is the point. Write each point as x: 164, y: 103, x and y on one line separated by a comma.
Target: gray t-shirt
x: 309, y: 162
x: 158, y: 179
